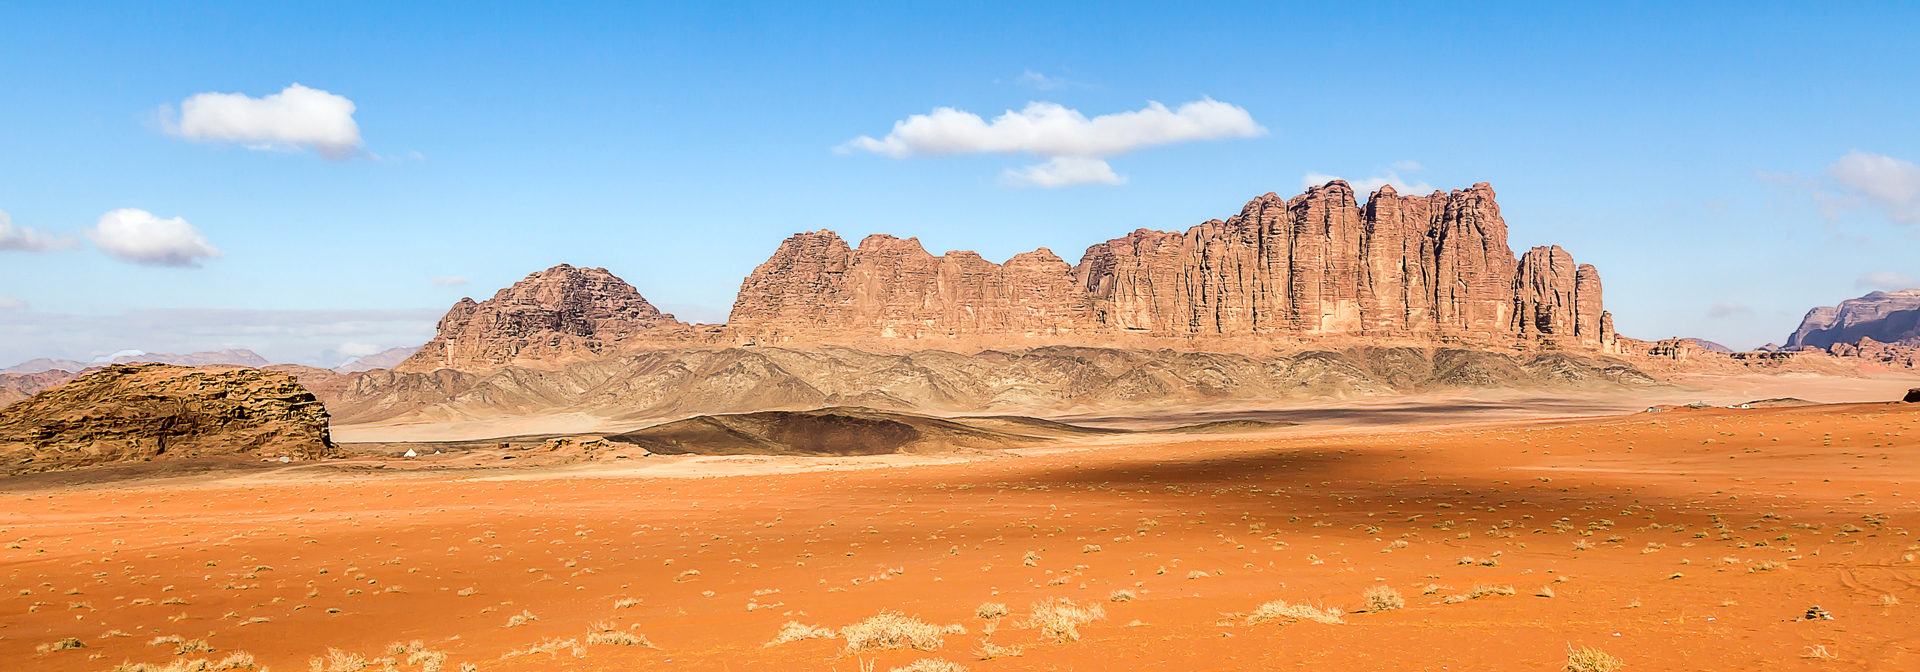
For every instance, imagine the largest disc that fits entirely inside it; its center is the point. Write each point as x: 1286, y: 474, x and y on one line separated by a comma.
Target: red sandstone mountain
x: 558, y: 315
x: 1421, y: 269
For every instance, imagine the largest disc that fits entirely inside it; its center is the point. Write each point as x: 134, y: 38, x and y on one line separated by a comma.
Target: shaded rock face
x: 1431, y: 268
x: 558, y: 315
x: 1886, y: 317
x: 156, y: 411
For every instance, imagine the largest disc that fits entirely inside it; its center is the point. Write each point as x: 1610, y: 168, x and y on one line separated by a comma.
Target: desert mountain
x: 228, y: 357
x: 559, y: 315
x: 385, y: 359
x: 1885, y: 317
x: 1318, y: 267
x: 155, y: 411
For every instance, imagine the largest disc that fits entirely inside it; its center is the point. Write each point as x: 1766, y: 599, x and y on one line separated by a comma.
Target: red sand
x: 1686, y: 515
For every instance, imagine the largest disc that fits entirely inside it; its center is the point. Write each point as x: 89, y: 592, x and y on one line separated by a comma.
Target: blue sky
x: 1693, y: 153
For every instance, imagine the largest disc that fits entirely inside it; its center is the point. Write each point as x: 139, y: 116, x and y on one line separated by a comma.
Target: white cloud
x: 1886, y: 280
x: 1064, y: 171
x: 137, y: 236
x: 295, y: 117
x: 12, y: 303
x: 357, y: 350
x: 1887, y: 183
x: 1055, y: 132
x: 1371, y: 184
x: 1728, y: 309
x: 1043, y: 82
x: 24, y: 239
x: 446, y: 281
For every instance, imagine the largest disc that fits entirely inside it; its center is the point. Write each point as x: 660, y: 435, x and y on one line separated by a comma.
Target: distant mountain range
x: 1886, y: 317
x: 379, y: 360
x: 232, y: 357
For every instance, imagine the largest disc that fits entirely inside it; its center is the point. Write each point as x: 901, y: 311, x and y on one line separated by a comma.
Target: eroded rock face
x: 1886, y: 317
x: 558, y: 315
x: 1430, y: 268
x: 155, y: 411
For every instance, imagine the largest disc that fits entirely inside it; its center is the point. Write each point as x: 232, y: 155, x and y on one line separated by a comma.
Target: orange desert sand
x: 1689, y: 539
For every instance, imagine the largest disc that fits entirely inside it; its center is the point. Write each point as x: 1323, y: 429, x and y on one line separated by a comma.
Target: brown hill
x: 159, y: 411
x: 826, y: 431
x: 17, y: 386
x: 559, y: 315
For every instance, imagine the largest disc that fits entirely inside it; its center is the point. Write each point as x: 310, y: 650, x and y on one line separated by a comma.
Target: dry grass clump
x: 1280, y: 610
x: 1586, y: 659
x: 990, y: 610
x: 1484, y: 590
x: 181, y: 645
x: 238, y: 661
x: 1061, y: 621
x: 618, y: 638
x: 795, y: 631
x: 62, y: 645
x: 1382, y: 598
x: 990, y: 651
x: 626, y: 602
x: 893, y: 630
x: 930, y: 665
x: 524, y: 617
x: 1122, y: 596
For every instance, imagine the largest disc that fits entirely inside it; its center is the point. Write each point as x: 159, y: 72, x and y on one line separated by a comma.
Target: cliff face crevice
x: 1432, y: 268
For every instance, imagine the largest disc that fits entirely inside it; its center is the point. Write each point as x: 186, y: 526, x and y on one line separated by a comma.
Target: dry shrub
x: 62, y: 645
x: 1484, y: 590
x: 1122, y: 596
x: 236, y: 662
x: 1585, y: 659
x: 990, y: 651
x: 1280, y: 610
x: 795, y: 631
x: 1061, y: 621
x: 618, y: 638
x: 524, y: 617
x: 1383, y: 598
x: 990, y: 610
x: 893, y: 630
x: 931, y: 665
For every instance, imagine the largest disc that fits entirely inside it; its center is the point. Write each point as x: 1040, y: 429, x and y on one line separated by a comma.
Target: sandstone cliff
x: 1317, y: 267
x: 551, y: 317
x: 154, y: 411
x: 1886, y: 317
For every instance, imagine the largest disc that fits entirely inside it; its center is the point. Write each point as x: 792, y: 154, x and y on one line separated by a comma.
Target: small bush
x: 892, y: 630
x: 795, y: 631
x: 931, y: 665
x: 1122, y: 596
x: 1280, y: 610
x: 990, y: 610
x: 1585, y: 659
x: 1061, y: 621
x: 522, y: 618
x: 1383, y: 598
x: 990, y: 651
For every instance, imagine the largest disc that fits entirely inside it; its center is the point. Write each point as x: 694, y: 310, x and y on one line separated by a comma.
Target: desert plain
x: 1435, y: 538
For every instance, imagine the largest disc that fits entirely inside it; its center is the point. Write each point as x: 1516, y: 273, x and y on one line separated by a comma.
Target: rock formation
x: 551, y: 317
x: 17, y: 386
x: 385, y: 359
x: 1886, y: 317
x: 228, y: 357
x: 154, y: 411
x: 1419, y: 269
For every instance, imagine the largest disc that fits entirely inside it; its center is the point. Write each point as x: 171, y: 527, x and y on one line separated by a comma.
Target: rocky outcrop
x: 1886, y: 317
x: 1892, y: 356
x: 229, y: 357
x: 161, y: 411
x: 559, y: 315
x: 17, y: 386
x: 1420, y: 269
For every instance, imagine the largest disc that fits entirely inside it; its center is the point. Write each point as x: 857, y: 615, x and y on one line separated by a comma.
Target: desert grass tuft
x: 795, y: 631
x: 1061, y: 621
x: 1586, y: 659
x: 1382, y: 598
x: 893, y: 630
x: 1280, y: 610
x: 930, y: 665
x: 990, y: 651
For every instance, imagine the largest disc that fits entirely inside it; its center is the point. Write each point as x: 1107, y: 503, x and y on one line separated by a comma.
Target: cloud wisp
x: 17, y: 238
x: 138, y: 237
x: 1887, y: 184
x: 314, y: 337
x: 1886, y: 281
x: 1371, y: 184
x: 1076, y: 147
x: 13, y: 303
x: 447, y: 281
x: 1728, y: 309
x: 1042, y: 82
x: 297, y: 117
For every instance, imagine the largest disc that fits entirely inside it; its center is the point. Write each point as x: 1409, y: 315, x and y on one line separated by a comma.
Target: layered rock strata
x: 1886, y: 317
x: 1432, y: 269
x: 152, y: 411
